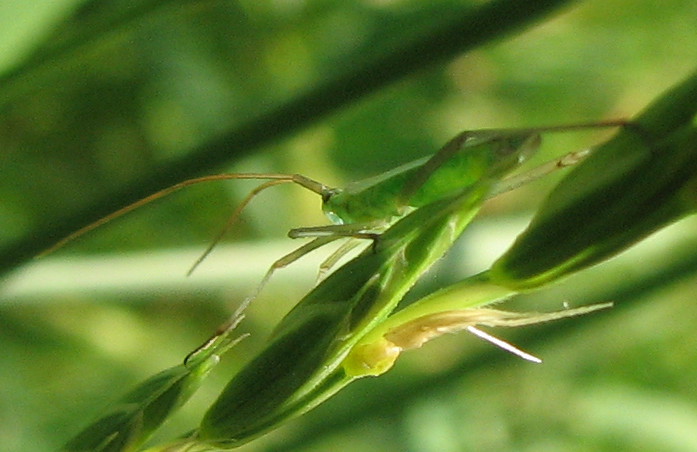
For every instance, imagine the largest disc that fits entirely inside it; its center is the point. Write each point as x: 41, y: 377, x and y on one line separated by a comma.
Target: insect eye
x: 329, y: 194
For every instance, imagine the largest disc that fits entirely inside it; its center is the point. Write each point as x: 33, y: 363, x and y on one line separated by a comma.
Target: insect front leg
x: 354, y: 231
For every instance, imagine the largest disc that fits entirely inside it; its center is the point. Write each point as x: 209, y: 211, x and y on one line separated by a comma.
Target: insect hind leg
x: 335, y: 257
x: 284, y: 262
x: 322, y: 235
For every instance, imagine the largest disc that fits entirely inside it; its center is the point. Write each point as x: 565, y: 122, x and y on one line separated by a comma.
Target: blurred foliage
x: 95, y: 96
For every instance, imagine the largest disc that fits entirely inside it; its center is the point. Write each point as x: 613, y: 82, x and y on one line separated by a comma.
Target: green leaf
x: 131, y: 421
x: 635, y: 184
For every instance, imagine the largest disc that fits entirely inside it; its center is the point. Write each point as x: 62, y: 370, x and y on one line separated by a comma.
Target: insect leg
x: 284, y: 262
x: 370, y: 230
x: 332, y: 260
x: 518, y: 180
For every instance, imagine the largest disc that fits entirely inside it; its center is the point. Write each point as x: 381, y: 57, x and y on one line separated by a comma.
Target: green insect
x: 345, y: 327
x: 364, y: 209
x: 329, y: 338
x: 342, y: 330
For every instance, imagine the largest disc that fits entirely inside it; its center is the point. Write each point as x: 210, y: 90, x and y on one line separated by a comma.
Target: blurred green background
x: 97, y: 96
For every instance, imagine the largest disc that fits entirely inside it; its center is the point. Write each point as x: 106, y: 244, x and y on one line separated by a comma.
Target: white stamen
x: 503, y: 344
